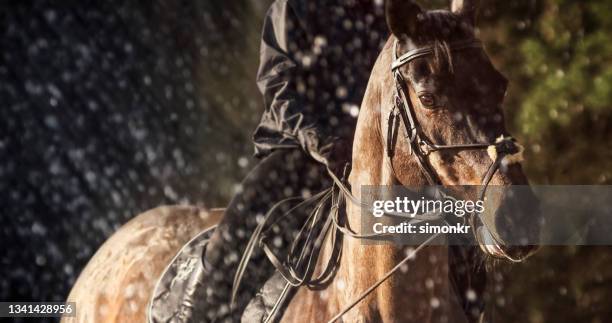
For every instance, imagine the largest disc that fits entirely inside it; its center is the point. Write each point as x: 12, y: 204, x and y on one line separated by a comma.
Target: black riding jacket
x: 316, y: 59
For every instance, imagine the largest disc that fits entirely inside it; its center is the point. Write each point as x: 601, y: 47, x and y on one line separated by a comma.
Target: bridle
x: 421, y: 148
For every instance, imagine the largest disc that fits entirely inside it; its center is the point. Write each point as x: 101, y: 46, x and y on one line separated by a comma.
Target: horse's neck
x: 418, y: 292
x: 408, y: 294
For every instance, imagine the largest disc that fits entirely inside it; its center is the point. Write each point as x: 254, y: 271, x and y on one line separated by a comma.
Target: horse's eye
x: 427, y: 100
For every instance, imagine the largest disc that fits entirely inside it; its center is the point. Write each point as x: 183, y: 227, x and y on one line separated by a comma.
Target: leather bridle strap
x: 406, y: 112
x: 418, y: 145
x: 426, y: 51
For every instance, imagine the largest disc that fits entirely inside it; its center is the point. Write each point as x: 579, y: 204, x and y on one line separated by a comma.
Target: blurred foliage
x: 559, y: 60
x: 558, y: 57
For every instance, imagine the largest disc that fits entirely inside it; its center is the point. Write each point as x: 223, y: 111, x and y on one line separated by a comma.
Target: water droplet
x: 434, y: 302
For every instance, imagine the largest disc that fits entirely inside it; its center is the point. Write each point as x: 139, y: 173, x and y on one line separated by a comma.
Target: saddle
x: 175, y: 298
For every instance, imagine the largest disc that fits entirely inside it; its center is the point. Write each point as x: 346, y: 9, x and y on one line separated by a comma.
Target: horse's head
x: 454, y: 94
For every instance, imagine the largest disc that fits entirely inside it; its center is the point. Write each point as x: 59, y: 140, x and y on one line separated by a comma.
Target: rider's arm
x: 285, y: 79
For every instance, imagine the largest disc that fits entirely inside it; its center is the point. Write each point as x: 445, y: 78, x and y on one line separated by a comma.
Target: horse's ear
x: 402, y: 17
x: 467, y: 9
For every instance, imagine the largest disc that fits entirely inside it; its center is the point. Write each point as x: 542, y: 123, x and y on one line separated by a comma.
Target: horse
x: 431, y: 81
x: 436, y: 79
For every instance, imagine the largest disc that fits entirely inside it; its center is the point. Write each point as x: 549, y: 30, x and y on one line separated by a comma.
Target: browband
x: 424, y: 51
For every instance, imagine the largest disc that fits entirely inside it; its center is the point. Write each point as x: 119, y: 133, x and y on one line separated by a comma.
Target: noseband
x: 420, y: 147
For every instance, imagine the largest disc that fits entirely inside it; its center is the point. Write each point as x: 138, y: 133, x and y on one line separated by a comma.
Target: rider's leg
x: 283, y: 174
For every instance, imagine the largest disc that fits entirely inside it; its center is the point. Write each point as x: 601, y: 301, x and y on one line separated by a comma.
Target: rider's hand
x: 335, y: 153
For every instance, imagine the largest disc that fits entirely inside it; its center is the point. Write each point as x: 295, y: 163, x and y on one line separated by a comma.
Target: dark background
x: 110, y: 108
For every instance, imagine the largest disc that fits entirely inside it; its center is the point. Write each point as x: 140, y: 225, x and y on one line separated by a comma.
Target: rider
x: 316, y: 58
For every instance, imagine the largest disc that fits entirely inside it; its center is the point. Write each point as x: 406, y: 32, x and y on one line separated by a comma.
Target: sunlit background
x: 111, y: 108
